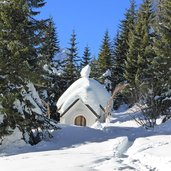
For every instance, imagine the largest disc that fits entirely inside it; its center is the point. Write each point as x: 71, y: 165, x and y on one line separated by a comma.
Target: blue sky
x: 89, y: 18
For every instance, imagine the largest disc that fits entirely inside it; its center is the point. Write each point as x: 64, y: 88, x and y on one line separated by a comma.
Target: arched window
x: 80, y: 121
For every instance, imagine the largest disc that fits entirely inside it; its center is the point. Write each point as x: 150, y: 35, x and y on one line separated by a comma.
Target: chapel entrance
x: 80, y: 121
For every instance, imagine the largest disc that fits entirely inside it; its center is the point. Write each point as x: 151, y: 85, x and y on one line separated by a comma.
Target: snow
x: 62, y: 55
x: 29, y: 94
x: 1, y: 118
x: 157, y: 97
x: 4, y: 2
x: 120, y: 144
x: 51, y: 70
x: 154, y: 151
x: 15, y: 139
x: 107, y: 81
x: 33, y: 97
x: 107, y: 73
x: 88, y: 90
x: 85, y: 72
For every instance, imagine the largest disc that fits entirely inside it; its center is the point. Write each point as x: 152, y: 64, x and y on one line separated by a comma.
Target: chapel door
x: 80, y: 121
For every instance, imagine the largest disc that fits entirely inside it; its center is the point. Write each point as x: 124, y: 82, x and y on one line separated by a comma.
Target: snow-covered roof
x: 90, y: 91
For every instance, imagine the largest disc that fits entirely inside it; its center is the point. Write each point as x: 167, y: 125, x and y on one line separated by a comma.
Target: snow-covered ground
x: 120, y: 144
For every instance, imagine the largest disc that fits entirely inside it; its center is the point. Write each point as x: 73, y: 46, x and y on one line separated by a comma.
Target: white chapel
x: 84, y: 101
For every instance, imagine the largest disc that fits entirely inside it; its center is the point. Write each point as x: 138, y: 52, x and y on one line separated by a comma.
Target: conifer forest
x: 35, y: 70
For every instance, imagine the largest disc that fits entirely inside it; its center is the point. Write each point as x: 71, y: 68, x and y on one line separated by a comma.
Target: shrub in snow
x: 154, y: 103
x: 150, y: 113
x: 148, y: 118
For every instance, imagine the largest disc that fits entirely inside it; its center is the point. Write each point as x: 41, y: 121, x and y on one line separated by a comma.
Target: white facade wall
x: 79, y: 109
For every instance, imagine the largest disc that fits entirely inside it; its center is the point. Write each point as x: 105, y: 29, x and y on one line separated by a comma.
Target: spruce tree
x: 162, y: 62
x: 140, y: 54
x: 95, y: 71
x: 51, y: 89
x: 104, y: 59
x: 117, y: 61
x: 121, y: 44
x: 20, y: 44
x: 86, y: 57
x: 50, y: 42
x: 71, y: 64
x: 162, y: 44
x: 146, y: 54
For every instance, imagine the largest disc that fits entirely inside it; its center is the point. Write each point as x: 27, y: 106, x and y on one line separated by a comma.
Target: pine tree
x: 86, y: 57
x: 104, y: 59
x: 72, y: 62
